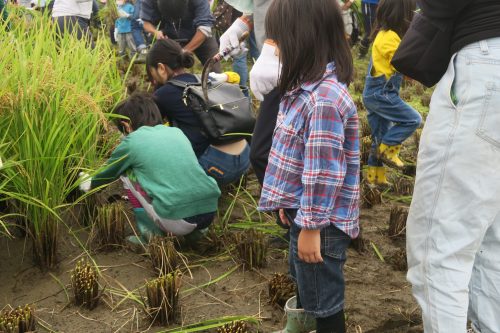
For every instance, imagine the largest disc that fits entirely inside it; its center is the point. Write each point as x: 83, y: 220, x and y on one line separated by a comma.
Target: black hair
x: 140, y: 109
x: 309, y: 35
x: 395, y: 15
x: 170, y: 53
x: 172, y: 9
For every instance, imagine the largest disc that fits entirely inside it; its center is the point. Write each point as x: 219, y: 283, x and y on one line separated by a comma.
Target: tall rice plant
x: 54, y: 96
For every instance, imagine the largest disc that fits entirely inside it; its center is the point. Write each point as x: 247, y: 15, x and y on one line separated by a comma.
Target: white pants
x: 453, y: 231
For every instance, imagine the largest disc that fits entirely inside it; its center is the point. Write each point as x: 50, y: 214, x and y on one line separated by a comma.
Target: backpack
x: 226, y: 116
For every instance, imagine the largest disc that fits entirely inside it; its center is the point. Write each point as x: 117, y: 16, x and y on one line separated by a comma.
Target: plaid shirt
x: 314, y: 159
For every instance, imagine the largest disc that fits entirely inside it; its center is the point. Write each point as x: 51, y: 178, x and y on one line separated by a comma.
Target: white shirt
x: 81, y: 8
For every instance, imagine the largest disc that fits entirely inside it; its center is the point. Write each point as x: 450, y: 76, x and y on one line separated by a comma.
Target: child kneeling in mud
x: 169, y: 191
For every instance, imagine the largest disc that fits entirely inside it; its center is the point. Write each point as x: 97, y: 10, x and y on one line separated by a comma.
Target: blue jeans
x: 391, y: 120
x: 225, y: 168
x: 138, y: 34
x: 240, y: 66
x: 321, y: 286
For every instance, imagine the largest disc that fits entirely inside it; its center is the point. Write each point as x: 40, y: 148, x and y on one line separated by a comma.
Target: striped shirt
x: 314, y: 159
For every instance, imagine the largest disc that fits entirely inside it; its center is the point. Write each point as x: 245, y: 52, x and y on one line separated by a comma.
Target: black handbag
x: 424, y: 52
x: 225, y: 113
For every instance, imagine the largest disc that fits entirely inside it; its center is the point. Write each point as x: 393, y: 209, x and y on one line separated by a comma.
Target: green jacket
x: 166, y: 167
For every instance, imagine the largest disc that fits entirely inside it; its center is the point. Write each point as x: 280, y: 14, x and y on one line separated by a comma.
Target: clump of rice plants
x: 163, y: 298
x: 18, y: 320
x: 364, y: 127
x: 398, y: 260
x: 164, y: 256
x: 85, y: 284
x: 403, y: 185
x: 365, y: 147
x: 234, y: 327
x: 54, y: 113
x: 251, y: 246
x: 359, y: 243
x: 370, y: 195
x: 109, y: 226
x: 281, y: 287
x: 397, y: 221
x: 416, y: 138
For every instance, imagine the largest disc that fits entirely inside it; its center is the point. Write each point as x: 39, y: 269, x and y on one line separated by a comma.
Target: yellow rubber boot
x: 381, y: 179
x: 371, y: 175
x: 390, y: 155
x: 233, y: 77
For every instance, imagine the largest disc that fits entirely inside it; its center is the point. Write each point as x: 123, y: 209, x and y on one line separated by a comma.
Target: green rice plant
x: 55, y: 96
x: 18, y: 320
x: 85, y: 284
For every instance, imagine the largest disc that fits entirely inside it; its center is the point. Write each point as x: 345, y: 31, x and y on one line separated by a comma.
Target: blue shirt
x: 314, y: 158
x: 169, y: 100
x: 197, y: 15
x: 373, y: 2
x: 124, y: 25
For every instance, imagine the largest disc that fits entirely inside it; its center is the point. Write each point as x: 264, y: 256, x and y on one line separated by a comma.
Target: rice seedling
x: 164, y: 256
x: 370, y: 195
x: 109, y: 227
x: 251, y: 246
x: 55, y: 93
x: 18, y: 320
x: 234, y: 327
x: 163, y: 298
x: 397, y: 221
x: 85, y: 284
x: 281, y: 287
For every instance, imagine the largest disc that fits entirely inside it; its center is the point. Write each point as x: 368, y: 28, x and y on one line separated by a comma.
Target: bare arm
x: 195, y: 42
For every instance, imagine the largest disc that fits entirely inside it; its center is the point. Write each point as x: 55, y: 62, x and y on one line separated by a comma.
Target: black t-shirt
x: 474, y: 20
x: 169, y: 100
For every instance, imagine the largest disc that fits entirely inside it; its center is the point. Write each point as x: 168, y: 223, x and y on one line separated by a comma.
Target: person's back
x: 167, y: 169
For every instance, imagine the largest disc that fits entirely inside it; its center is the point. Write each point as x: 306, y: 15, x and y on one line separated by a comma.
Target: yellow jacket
x: 385, y: 45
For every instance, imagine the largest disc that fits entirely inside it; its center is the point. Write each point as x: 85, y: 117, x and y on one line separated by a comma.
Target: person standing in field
x: 391, y: 119
x: 313, y: 173
x: 453, y: 228
x: 73, y: 16
x: 369, y: 12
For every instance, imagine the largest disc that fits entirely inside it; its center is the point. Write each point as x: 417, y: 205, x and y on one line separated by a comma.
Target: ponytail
x: 170, y: 53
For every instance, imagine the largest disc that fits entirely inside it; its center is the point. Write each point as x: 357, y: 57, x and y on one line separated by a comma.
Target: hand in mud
x: 309, y: 246
x: 284, y: 219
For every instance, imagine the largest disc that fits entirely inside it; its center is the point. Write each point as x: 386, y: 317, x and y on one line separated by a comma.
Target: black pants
x: 263, y: 134
x: 369, y: 12
x: 70, y: 24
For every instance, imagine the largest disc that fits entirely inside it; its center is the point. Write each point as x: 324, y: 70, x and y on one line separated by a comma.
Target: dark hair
x: 309, y: 35
x: 140, y: 109
x: 170, y: 53
x: 395, y: 15
x: 172, y: 9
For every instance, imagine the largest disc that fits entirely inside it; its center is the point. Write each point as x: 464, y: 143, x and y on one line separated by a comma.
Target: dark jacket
x: 474, y: 20
x: 197, y: 15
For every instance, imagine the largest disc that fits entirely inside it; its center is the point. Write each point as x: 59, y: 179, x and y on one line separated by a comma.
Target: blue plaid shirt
x: 314, y: 159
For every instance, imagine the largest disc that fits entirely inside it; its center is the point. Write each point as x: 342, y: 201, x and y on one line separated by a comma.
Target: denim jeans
x: 138, y: 34
x: 321, y: 286
x: 391, y: 119
x: 240, y: 66
x: 225, y: 168
x: 453, y: 230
